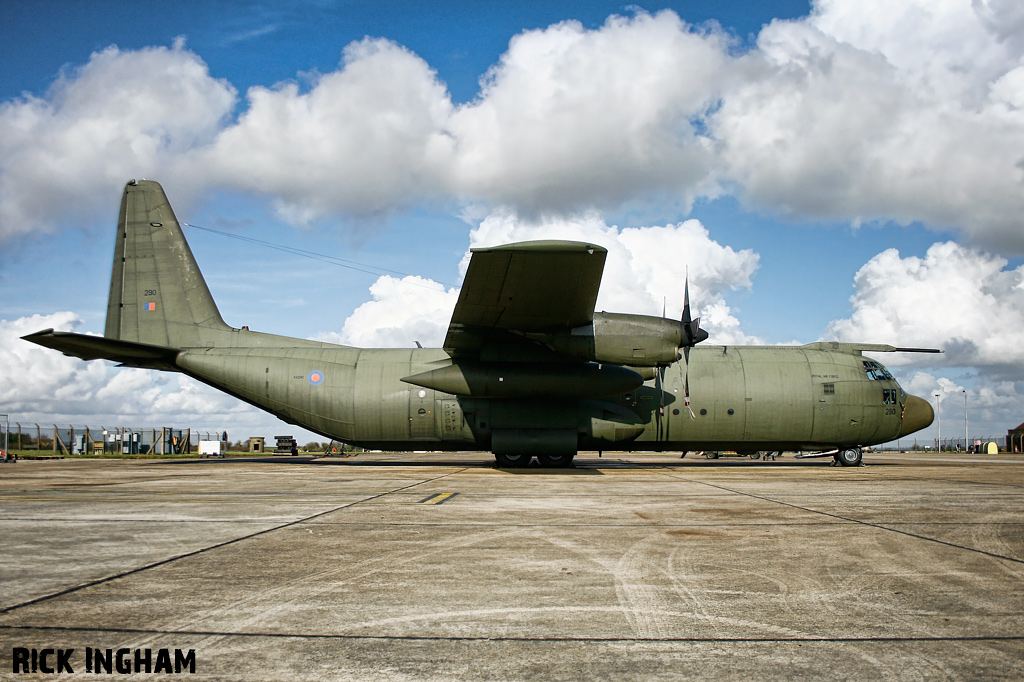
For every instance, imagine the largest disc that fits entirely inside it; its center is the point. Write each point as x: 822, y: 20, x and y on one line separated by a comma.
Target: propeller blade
x: 686, y: 386
x: 691, y: 333
x: 659, y: 379
x: 686, y: 299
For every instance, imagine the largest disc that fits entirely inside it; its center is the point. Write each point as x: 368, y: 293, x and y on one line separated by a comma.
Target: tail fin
x: 157, y: 294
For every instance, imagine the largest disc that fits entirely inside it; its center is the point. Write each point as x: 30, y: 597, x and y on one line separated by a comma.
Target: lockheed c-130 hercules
x: 527, y: 368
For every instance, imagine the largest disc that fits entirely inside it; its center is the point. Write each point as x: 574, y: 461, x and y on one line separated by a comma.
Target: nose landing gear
x: 848, y: 457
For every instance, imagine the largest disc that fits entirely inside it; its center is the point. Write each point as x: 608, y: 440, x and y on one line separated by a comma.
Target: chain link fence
x: 100, y: 440
x: 975, y: 444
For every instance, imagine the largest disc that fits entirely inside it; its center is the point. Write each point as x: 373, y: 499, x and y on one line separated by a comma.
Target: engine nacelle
x: 532, y: 380
x: 619, y: 339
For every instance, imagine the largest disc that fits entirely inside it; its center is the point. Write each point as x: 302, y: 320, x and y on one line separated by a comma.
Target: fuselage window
x: 889, y: 396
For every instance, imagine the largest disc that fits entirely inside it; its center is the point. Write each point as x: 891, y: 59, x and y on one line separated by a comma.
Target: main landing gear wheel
x: 555, y: 461
x: 507, y: 461
x: 848, y: 457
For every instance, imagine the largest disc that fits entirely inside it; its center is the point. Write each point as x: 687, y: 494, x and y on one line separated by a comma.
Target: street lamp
x: 967, y: 441
x: 938, y: 421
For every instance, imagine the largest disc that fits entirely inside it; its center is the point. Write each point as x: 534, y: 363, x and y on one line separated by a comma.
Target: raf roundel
x: 316, y: 377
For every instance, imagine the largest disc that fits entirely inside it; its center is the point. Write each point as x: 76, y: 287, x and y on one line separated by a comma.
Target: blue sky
x: 809, y: 143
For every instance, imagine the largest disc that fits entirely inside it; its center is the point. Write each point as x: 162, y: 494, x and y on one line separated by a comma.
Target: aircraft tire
x: 507, y: 461
x: 555, y: 461
x: 849, y: 457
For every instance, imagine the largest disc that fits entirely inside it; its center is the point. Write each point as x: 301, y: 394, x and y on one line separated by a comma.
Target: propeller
x: 690, y: 334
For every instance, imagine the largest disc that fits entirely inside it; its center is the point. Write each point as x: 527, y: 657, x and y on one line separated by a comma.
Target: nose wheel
x: 848, y: 457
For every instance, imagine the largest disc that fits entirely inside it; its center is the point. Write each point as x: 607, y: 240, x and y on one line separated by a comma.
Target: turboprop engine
x: 634, y: 340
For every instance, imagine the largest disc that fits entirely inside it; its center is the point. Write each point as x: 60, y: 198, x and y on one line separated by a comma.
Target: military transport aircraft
x: 527, y: 368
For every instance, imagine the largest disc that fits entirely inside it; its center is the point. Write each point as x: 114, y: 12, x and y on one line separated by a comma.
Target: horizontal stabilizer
x: 128, y: 353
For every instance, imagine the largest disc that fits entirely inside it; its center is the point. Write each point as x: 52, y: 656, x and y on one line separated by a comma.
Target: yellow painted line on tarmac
x: 439, y: 498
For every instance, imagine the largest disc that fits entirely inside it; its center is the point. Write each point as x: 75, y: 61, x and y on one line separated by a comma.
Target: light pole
x: 938, y: 421
x: 967, y: 442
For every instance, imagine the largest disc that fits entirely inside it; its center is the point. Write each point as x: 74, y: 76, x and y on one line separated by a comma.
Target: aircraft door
x: 839, y: 417
x: 421, y: 412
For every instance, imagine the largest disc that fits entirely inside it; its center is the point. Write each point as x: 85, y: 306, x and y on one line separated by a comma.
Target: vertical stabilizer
x: 157, y: 294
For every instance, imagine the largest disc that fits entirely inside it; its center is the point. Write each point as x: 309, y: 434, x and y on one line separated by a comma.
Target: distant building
x: 1015, y: 439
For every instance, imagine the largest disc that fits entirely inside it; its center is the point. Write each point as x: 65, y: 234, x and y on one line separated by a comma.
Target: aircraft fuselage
x: 741, y: 397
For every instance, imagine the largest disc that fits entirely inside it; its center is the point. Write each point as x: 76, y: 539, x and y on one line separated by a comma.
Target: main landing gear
x: 519, y: 461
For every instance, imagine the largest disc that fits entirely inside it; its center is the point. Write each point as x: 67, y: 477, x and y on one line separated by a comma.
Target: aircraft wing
x: 541, y: 286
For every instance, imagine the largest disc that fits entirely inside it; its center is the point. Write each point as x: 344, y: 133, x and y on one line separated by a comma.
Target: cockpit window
x: 876, y: 372
x: 889, y: 396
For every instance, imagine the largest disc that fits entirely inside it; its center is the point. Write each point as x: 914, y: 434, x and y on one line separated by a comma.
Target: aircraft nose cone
x: 917, y: 415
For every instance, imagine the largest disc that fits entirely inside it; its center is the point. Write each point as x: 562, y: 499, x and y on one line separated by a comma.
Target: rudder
x: 157, y: 294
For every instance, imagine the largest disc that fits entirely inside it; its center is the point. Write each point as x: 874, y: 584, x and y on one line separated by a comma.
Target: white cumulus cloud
x: 124, y: 114
x: 959, y: 299
x: 905, y: 111
x: 909, y: 110
x: 572, y: 118
x: 401, y: 313
x: 366, y: 139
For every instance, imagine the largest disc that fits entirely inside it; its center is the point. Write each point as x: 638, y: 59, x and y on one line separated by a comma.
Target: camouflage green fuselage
x: 741, y: 397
